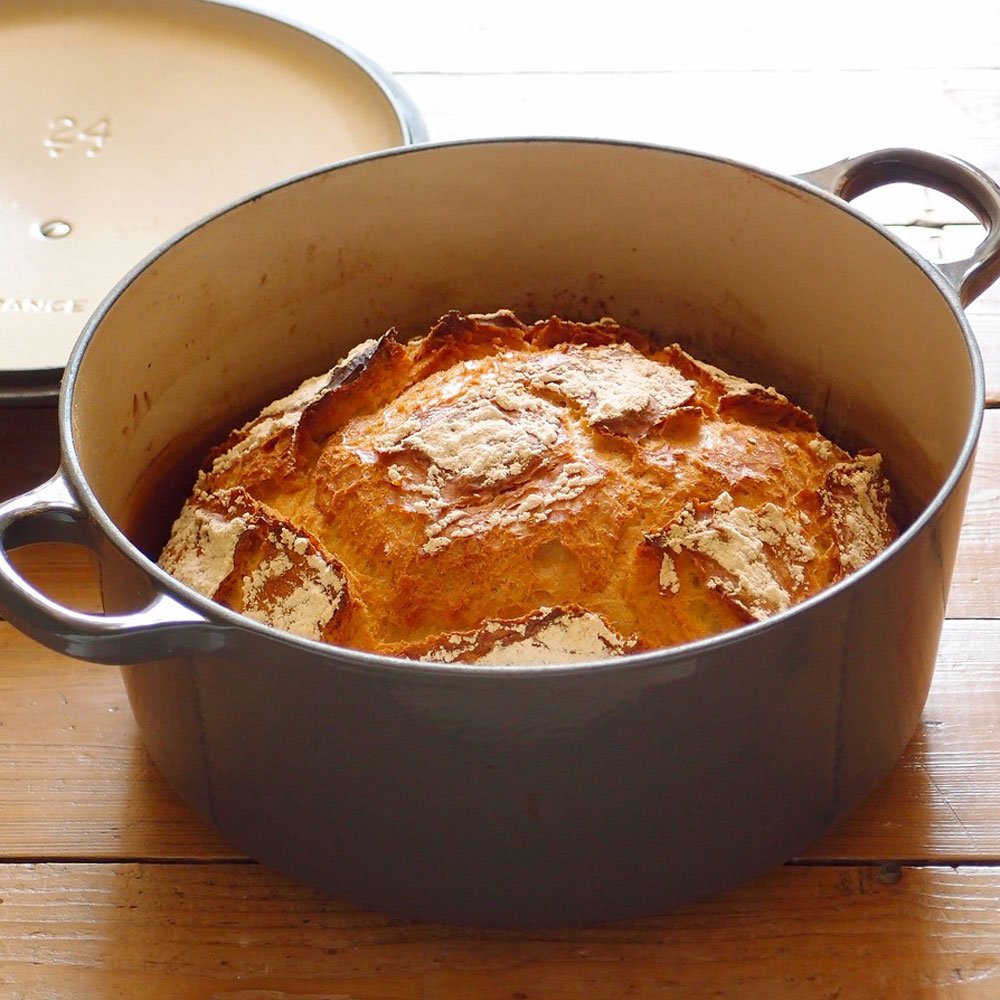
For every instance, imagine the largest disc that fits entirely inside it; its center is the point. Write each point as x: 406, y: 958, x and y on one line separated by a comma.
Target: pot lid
x: 126, y: 120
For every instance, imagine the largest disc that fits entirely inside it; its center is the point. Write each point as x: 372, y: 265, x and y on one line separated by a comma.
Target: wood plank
x: 975, y: 587
x: 955, y: 242
x: 941, y: 800
x: 238, y: 933
x: 448, y: 36
x: 984, y: 317
x: 67, y: 573
x: 75, y: 780
x: 787, y: 122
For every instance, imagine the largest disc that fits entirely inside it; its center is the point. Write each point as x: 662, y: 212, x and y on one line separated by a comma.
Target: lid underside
x: 125, y: 121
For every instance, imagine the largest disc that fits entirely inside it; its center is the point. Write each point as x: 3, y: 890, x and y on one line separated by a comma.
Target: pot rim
x: 675, y: 655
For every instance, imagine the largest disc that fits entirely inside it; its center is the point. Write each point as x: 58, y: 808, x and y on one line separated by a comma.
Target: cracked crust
x: 499, y: 492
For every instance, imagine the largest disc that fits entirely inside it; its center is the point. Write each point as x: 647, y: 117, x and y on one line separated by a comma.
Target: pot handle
x: 977, y: 191
x: 164, y: 628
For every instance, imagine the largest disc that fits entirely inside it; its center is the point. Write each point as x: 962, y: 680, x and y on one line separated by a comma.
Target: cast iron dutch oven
x: 523, y: 795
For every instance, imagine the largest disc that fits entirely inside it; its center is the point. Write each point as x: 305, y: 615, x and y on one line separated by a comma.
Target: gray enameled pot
x: 523, y: 795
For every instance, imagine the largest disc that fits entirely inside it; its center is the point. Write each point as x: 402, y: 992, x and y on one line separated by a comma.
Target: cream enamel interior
x: 134, y: 118
x: 782, y: 285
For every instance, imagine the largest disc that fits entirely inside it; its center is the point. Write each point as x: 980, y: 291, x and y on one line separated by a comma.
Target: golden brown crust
x: 244, y: 555
x: 493, y: 479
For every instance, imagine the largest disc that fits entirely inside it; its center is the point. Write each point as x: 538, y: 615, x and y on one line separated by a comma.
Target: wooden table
x: 111, y: 888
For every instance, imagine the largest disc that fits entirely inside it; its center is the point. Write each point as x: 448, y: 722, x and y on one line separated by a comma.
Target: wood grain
x: 975, y: 588
x: 239, y: 933
x: 984, y: 317
x: 941, y: 243
x: 75, y: 780
x: 788, y: 122
x: 783, y: 38
x: 942, y: 800
x: 66, y: 573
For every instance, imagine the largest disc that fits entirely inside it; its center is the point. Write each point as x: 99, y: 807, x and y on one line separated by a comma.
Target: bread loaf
x: 496, y: 492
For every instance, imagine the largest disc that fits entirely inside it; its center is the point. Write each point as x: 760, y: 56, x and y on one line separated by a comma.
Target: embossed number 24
x: 64, y: 134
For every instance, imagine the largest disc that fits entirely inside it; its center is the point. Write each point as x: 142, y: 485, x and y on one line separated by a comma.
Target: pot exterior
x: 538, y: 796
x: 528, y: 800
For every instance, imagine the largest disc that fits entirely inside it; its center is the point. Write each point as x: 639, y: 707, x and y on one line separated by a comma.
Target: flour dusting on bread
x: 551, y: 635
x: 757, y: 558
x: 856, y: 495
x: 611, y: 382
x: 234, y: 550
